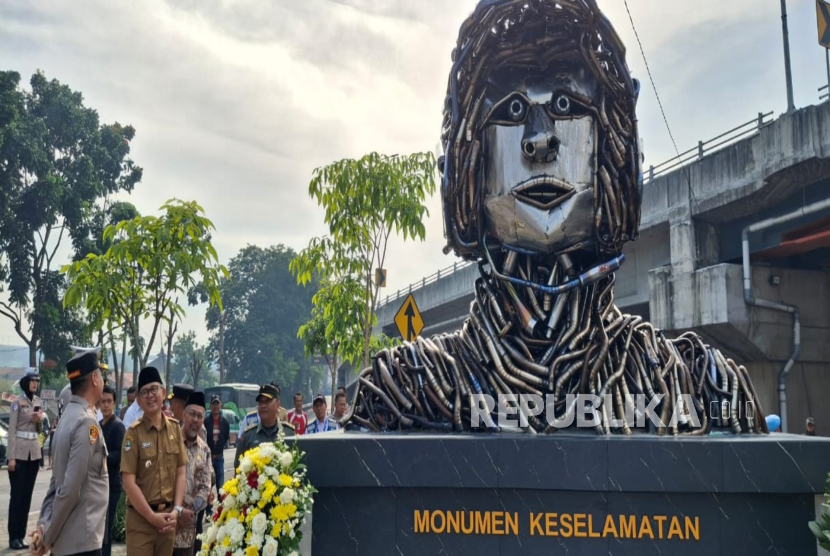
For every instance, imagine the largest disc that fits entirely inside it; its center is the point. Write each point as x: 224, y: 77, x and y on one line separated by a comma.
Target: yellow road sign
x: 380, y: 277
x: 823, y: 20
x: 408, y: 319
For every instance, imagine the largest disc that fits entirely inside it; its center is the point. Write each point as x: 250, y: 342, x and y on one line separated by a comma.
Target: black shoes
x: 17, y: 544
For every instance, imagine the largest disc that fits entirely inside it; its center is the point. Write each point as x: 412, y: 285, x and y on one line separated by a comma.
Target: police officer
x: 24, y: 456
x: 153, y: 460
x: 266, y: 430
x: 74, y: 512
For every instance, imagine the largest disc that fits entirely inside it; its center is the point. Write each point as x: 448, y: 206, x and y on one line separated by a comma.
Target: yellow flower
x: 291, y: 509
x: 285, y: 480
x: 270, y: 490
x: 251, y: 515
x: 248, y: 538
x: 275, y: 531
x: 226, y: 541
x: 252, y: 551
x: 233, y: 513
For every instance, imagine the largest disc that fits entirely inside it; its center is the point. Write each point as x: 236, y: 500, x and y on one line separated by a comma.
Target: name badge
x: 146, y: 444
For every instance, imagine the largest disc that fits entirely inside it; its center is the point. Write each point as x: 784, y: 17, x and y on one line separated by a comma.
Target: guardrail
x: 825, y: 95
x: 434, y: 277
x: 707, y: 147
x: 695, y: 153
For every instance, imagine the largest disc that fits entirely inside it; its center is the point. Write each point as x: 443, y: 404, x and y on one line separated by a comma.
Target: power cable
x: 660, y: 104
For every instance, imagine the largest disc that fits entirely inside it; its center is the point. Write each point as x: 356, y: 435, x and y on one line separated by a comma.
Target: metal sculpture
x: 542, y: 186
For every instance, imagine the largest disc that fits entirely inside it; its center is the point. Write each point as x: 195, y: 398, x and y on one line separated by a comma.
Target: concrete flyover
x: 685, y: 271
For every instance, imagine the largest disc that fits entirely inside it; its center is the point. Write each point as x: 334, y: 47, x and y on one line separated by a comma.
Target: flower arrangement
x: 263, y: 507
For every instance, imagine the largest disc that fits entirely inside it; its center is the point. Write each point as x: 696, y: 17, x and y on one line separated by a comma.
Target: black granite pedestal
x: 564, y: 494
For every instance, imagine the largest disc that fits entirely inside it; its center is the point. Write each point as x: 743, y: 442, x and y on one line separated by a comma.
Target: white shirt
x: 133, y: 413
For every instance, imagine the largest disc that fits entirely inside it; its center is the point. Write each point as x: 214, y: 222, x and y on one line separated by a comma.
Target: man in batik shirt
x: 199, y: 472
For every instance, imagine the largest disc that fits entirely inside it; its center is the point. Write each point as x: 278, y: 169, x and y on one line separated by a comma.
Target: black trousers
x: 22, y: 483
x: 115, y: 495
x: 90, y: 553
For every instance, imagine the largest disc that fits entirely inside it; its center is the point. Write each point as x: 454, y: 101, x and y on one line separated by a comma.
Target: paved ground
x: 41, y: 486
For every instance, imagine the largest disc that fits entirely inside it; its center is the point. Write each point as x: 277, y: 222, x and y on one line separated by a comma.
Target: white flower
x: 270, y: 548
x: 261, y: 480
x: 293, y: 553
x: 240, y: 552
x: 210, y: 535
x: 229, y: 502
x: 259, y: 523
x: 237, y: 533
x: 256, y: 540
x: 243, y: 496
x: 287, y: 495
x: 255, y: 496
x: 245, y: 465
x: 220, y: 533
x: 286, y: 459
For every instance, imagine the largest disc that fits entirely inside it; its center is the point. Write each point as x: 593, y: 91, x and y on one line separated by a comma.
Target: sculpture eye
x: 561, y: 105
x: 516, y: 109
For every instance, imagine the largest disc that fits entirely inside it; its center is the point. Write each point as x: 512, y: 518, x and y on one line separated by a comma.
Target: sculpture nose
x: 539, y: 142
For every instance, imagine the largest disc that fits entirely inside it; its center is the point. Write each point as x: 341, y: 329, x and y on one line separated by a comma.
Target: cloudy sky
x: 235, y: 102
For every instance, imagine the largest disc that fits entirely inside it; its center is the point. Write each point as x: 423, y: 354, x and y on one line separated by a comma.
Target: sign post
x: 408, y: 319
x: 823, y: 23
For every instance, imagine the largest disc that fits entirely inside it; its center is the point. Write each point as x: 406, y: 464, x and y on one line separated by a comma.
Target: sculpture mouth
x: 544, y: 192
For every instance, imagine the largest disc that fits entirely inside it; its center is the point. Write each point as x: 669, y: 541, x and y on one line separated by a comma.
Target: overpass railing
x: 707, y: 147
x: 424, y: 282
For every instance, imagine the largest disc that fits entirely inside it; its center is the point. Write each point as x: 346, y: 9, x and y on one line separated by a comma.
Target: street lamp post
x: 787, y: 69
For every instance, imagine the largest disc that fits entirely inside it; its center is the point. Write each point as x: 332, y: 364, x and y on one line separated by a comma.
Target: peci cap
x: 181, y: 391
x: 196, y: 398
x: 148, y: 375
x: 214, y: 399
x: 81, y: 364
x: 269, y: 391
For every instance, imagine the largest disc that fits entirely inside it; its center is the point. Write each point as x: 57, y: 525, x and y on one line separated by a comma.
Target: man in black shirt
x: 113, y: 432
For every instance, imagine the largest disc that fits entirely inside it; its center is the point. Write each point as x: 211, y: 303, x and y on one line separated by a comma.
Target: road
x: 41, y: 486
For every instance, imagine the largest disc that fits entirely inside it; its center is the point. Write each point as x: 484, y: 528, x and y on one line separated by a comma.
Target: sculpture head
x: 541, y: 151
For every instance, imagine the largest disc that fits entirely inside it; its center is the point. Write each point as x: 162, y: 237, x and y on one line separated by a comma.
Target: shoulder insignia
x: 128, y: 444
x: 93, y: 434
x: 15, y: 406
x: 251, y: 427
x: 135, y: 423
x: 288, y: 425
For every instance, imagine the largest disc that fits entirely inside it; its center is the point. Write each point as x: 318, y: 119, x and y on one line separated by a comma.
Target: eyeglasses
x: 196, y: 415
x: 152, y: 390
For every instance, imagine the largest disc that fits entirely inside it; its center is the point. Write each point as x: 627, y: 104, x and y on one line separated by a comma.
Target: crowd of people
x: 163, y: 450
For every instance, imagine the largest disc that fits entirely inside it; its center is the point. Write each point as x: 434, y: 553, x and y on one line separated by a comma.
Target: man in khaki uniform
x: 74, y: 512
x: 153, y: 460
x: 24, y: 456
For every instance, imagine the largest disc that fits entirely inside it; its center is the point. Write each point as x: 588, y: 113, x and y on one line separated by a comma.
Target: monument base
x: 565, y: 493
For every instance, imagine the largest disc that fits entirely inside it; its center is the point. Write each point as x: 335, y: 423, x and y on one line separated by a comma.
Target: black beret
x: 81, y: 365
x: 181, y: 391
x: 196, y: 398
x: 148, y: 375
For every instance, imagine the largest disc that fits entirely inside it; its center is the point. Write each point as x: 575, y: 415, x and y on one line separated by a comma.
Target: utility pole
x: 790, y: 104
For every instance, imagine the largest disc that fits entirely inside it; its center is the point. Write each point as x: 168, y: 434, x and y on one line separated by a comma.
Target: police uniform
x: 154, y: 456
x: 256, y: 434
x: 24, y: 448
x: 74, y: 512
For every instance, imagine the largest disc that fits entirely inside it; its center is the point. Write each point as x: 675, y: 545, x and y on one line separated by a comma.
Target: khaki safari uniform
x: 24, y: 446
x: 153, y: 456
x: 74, y: 512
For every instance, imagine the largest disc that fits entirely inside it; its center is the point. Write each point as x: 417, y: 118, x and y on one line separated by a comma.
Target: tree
x: 262, y: 309
x: 150, y: 262
x: 329, y: 333
x: 189, y: 359
x: 365, y: 201
x: 56, y: 162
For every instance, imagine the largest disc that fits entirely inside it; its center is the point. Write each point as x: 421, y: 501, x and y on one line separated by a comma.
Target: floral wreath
x: 263, y: 507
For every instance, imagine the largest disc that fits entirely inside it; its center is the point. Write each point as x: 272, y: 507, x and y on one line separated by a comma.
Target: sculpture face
x: 540, y: 143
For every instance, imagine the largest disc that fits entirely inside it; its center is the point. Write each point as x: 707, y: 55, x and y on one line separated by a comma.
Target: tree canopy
x: 57, y: 163
x: 151, y: 263
x: 365, y: 202
x: 263, y: 307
